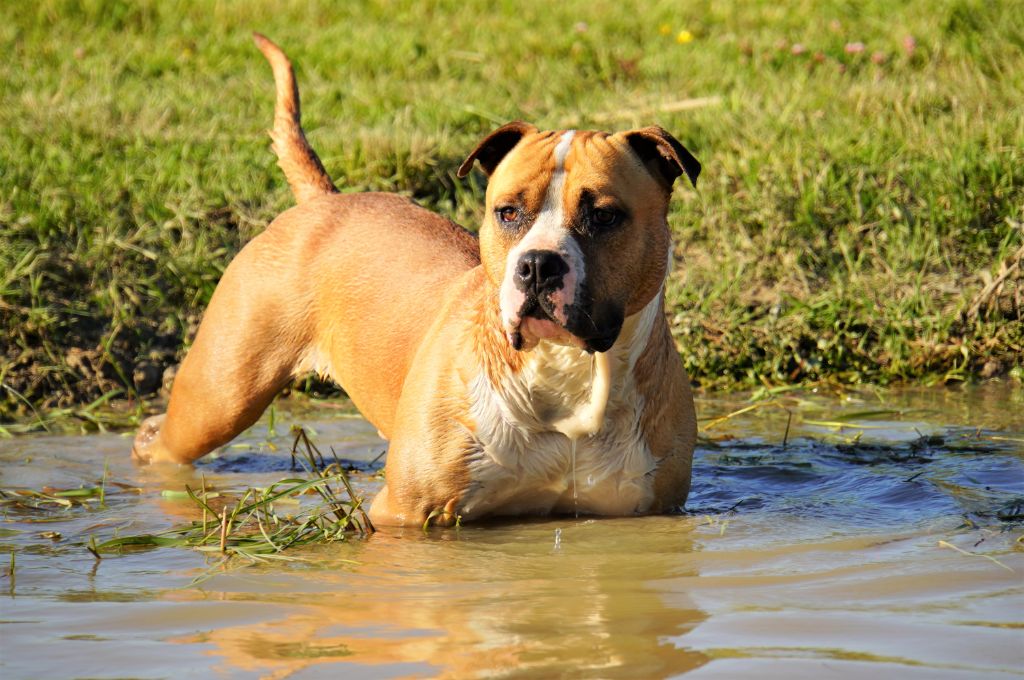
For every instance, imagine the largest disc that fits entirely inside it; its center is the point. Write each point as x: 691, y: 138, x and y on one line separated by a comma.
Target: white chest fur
x: 521, y: 464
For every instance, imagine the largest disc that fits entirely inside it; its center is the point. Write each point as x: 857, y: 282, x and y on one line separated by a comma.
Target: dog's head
x: 575, y: 237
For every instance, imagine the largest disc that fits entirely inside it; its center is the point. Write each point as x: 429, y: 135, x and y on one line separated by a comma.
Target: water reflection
x: 496, y: 601
x: 886, y: 545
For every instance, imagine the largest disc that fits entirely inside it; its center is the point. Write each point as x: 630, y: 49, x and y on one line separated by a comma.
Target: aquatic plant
x: 257, y: 522
x: 264, y: 522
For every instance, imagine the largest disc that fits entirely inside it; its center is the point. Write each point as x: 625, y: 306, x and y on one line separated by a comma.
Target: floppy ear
x: 495, y: 146
x: 663, y: 154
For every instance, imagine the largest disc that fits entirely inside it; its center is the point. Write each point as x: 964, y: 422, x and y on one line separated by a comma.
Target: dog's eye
x: 508, y: 214
x: 604, y: 218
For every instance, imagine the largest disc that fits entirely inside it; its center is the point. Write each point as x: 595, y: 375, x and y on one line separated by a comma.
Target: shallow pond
x: 866, y: 533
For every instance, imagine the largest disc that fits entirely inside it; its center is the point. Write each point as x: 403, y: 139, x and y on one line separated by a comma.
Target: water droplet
x: 575, y: 489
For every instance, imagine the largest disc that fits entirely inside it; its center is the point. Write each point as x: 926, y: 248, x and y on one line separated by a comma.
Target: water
x: 820, y: 558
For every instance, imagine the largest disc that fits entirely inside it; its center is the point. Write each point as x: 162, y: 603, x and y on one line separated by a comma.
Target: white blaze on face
x: 547, y: 233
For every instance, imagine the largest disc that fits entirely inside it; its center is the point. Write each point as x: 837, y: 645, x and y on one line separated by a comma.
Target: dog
x: 527, y: 371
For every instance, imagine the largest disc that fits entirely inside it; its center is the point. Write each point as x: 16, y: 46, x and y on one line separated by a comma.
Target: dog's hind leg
x: 248, y: 347
x: 253, y: 337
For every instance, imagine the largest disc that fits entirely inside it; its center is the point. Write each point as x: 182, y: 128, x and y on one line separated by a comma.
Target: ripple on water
x: 860, y: 486
x: 821, y: 556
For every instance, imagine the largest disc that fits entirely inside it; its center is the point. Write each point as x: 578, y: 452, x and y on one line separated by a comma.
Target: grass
x: 860, y: 216
x: 264, y: 522
x: 254, y: 524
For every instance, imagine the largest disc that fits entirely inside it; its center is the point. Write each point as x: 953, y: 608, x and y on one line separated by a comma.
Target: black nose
x: 540, y: 271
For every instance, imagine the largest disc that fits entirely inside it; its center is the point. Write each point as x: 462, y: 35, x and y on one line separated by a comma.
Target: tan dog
x: 529, y: 372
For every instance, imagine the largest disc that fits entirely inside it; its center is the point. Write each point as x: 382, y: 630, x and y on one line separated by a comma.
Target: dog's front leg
x: 427, y: 471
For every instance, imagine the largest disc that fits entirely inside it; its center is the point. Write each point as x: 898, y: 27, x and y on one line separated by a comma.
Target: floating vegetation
x: 1012, y: 511
x: 264, y: 522
x: 947, y: 544
x: 48, y: 498
x: 258, y: 523
x: 46, y: 502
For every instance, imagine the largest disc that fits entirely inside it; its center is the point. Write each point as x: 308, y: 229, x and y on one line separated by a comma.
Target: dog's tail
x: 301, y: 165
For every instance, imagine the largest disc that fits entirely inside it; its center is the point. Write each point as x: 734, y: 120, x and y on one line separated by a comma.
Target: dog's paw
x: 145, y: 439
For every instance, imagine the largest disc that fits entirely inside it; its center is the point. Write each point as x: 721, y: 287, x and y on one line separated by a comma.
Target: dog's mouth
x: 537, y: 322
x: 532, y: 309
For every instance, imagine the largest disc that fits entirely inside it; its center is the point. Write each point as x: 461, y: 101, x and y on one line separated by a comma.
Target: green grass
x: 261, y: 523
x: 254, y: 524
x: 849, y: 215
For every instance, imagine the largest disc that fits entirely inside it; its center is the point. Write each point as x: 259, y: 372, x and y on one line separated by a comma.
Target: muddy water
x: 809, y: 553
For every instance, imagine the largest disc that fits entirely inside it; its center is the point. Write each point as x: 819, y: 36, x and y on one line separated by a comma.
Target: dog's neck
x: 563, y: 388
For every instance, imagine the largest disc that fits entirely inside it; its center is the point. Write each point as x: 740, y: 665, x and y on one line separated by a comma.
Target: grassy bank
x: 859, y: 217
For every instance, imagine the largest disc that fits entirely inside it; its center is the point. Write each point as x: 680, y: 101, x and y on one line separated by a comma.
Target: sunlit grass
x: 854, y: 202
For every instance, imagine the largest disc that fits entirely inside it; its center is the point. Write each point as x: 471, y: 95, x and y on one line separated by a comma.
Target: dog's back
x: 370, y: 320
x: 355, y: 243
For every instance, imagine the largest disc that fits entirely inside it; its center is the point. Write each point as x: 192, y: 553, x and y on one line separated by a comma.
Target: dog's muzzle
x: 548, y: 310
